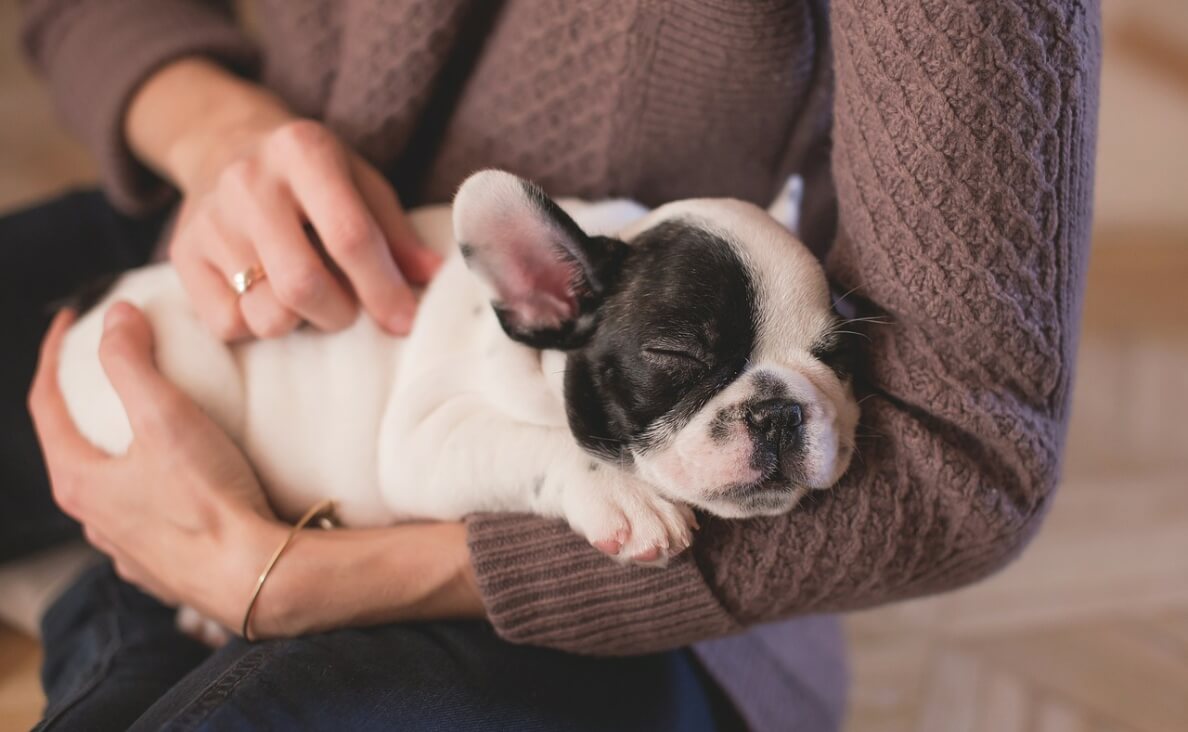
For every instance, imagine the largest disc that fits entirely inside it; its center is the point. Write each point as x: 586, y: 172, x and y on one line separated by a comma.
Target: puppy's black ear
x: 545, y: 276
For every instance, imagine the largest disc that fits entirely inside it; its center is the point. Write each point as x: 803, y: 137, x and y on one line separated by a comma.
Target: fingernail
x: 401, y: 322
x: 116, y: 315
x: 431, y: 260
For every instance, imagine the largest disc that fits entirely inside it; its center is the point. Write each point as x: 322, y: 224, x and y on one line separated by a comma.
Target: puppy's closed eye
x: 676, y: 355
x: 838, y: 352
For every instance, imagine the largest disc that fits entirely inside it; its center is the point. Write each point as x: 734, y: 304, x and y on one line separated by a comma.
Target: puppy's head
x: 702, y: 349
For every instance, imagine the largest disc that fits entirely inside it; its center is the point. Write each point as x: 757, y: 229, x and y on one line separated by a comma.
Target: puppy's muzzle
x: 776, y: 424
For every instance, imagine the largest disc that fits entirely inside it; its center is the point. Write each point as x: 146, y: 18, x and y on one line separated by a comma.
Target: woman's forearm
x: 359, y: 577
x: 964, y: 176
x: 190, y: 117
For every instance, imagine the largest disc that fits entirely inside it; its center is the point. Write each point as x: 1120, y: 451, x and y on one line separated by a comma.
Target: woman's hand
x: 253, y: 177
x: 182, y: 515
x: 177, y: 512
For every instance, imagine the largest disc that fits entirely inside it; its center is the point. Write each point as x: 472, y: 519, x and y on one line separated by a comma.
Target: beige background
x: 1089, y: 630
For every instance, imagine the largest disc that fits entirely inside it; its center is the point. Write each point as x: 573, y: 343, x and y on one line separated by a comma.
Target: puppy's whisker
x: 863, y: 430
x: 851, y: 332
x: 603, y: 439
x: 847, y: 293
x: 869, y: 435
x: 873, y: 319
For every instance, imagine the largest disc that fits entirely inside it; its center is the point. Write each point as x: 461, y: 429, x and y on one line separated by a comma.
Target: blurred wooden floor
x: 1089, y: 630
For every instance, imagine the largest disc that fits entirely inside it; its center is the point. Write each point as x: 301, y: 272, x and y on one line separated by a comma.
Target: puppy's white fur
x: 454, y: 419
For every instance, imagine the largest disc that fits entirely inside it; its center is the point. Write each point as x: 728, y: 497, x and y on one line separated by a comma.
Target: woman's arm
x: 354, y: 577
x: 95, y: 54
x: 963, y: 153
x: 182, y: 515
x: 190, y: 118
x: 252, y: 175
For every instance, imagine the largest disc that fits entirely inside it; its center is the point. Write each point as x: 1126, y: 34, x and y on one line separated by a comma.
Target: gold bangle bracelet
x: 318, y: 509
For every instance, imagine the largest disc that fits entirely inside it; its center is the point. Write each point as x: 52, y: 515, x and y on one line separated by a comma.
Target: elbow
x: 989, y: 532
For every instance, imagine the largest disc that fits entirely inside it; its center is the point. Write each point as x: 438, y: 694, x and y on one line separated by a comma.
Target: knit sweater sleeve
x: 94, y: 54
x: 963, y: 155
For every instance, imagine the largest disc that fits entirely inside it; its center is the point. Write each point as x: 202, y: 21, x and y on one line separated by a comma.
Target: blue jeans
x: 114, y: 660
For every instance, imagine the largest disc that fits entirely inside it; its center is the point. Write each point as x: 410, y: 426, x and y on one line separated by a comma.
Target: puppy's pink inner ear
x: 538, y: 292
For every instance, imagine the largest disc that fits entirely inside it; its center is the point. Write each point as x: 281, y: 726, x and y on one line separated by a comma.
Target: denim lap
x: 110, y: 652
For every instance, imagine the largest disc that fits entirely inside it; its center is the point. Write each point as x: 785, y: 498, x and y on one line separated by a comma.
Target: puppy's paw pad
x: 601, y: 522
x: 650, y: 555
x: 628, y: 521
x: 608, y: 546
x: 659, y: 530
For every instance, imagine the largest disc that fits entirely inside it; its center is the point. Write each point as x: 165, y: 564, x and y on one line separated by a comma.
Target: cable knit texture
x: 961, y: 135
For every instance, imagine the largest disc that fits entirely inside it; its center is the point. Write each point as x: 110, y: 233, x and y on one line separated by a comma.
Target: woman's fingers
x: 417, y: 262
x: 68, y: 455
x: 256, y: 214
x: 127, y: 568
x: 154, y: 406
x: 322, y: 182
x: 209, y: 289
x: 98, y: 540
x: 212, y: 298
x: 297, y: 276
x: 54, y: 424
x: 263, y: 313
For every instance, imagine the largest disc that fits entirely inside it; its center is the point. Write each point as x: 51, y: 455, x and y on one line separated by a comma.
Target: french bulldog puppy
x: 595, y: 362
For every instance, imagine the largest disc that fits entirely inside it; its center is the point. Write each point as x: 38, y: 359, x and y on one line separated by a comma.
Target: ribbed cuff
x: 544, y: 585
x: 96, y: 54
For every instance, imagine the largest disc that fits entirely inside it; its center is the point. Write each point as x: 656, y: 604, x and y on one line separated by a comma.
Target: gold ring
x: 242, y: 281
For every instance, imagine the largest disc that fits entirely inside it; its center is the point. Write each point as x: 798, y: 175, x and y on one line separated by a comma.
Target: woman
x: 947, y: 151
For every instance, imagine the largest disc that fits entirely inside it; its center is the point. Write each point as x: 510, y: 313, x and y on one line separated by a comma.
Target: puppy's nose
x: 776, y: 421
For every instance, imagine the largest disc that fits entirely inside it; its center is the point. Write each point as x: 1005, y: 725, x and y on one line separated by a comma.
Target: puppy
x: 595, y: 362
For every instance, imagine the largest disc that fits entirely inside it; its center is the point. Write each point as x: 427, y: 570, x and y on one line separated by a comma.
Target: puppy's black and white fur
x: 591, y: 361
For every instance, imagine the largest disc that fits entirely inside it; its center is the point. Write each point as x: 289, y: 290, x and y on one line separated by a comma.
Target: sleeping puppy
x: 589, y: 361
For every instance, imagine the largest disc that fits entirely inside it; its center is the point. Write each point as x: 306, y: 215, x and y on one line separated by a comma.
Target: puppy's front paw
x: 627, y: 520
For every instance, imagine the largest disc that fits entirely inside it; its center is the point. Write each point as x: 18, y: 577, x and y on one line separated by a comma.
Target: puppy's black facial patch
x: 722, y: 422
x: 675, y: 329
